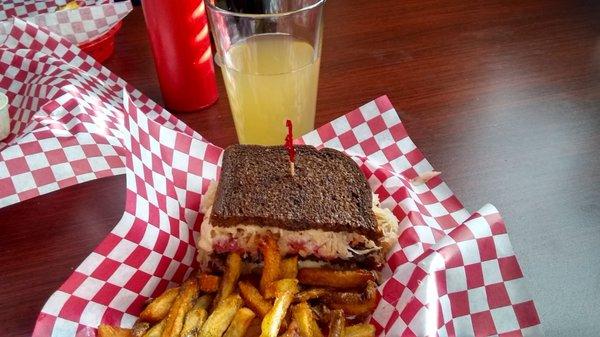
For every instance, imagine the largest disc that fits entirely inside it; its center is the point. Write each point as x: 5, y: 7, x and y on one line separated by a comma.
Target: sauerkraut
x: 326, y: 245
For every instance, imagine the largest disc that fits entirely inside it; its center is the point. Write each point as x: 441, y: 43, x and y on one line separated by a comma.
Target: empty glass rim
x: 213, y: 7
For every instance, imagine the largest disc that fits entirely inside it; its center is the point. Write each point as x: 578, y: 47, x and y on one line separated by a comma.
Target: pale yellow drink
x: 271, y: 78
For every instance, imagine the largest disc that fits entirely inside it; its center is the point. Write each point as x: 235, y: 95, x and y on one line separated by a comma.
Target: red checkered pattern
x: 80, y: 25
x: 25, y: 8
x: 64, y: 116
x: 152, y: 247
x: 451, y: 273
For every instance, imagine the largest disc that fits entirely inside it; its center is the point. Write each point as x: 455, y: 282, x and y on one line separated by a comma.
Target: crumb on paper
x: 68, y: 6
x: 425, y: 177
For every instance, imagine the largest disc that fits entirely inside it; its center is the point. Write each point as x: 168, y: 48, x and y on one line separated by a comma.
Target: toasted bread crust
x: 328, y: 191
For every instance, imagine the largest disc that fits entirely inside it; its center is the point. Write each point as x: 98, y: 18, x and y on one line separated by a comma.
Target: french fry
x: 253, y: 299
x: 360, y: 330
x: 208, y: 283
x: 354, y: 303
x: 343, y: 297
x: 289, y: 267
x: 157, y: 330
x: 337, y: 324
x: 233, y: 269
x: 196, y: 317
x: 105, y: 330
x: 272, y: 262
x: 218, y: 321
x: 182, y: 304
x: 292, y: 330
x: 139, y: 328
x: 310, y: 294
x: 279, y: 287
x: 159, y: 307
x: 240, y: 323
x: 326, y: 277
x: 254, y: 328
x: 307, y: 325
x: 273, y: 319
x: 193, y: 322
x: 203, y: 302
x: 321, y: 312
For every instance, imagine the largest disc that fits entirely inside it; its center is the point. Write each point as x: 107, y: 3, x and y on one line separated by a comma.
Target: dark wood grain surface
x: 502, y: 96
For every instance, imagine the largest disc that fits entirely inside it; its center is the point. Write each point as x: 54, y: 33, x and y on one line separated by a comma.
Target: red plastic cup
x: 180, y: 42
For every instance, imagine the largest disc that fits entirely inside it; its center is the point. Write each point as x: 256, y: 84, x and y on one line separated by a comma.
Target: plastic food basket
x: 102, y: 47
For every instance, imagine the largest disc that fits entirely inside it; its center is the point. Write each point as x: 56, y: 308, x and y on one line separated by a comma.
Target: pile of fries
x: 283, y: 301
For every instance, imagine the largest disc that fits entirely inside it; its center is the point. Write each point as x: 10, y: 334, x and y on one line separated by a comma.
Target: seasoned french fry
x: 307, y: 325
x: 321, y: 312
x: 272, y: 262
x: 193, y: 322
x: 289, y: 267
x: 279, y: 287
x: 208, y: 283
x: 140, y: 328
x: 233, y: 269
x: 337, y: 324
x: 360, y: 330
x: 315, y: 328
x: 354, y: 303
x: 157, y: 330
x: 203, y: 302
x: 159, y: 307
x: 254, y: 299
x: 182, y: 304
x: 196, y: 317
x: 105, y: 330
x: 240, y: 323
x: 345, y: 279
x: 343, y: 297
x: 310, y: 294
x: 292, y: 330
x: 272, y: 321
x: 254, y: 328
x: 218, y: 321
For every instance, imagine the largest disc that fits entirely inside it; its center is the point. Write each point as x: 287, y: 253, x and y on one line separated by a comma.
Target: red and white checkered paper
x: 65, y: 112
x: 84, y: 24
x: 451, y: 274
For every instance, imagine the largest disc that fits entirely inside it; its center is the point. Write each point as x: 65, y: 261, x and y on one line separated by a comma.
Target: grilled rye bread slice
x: 328, y: 191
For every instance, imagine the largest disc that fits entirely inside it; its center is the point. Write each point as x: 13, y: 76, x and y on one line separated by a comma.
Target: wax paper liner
x: 65, y: 111
x: 451, y: 274
x: 90, y: 21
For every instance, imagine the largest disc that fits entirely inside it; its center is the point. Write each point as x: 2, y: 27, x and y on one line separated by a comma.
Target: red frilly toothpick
x: 289, y: 144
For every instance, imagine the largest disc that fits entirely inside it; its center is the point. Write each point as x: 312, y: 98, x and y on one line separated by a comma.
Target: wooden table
x: 502, y: 96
